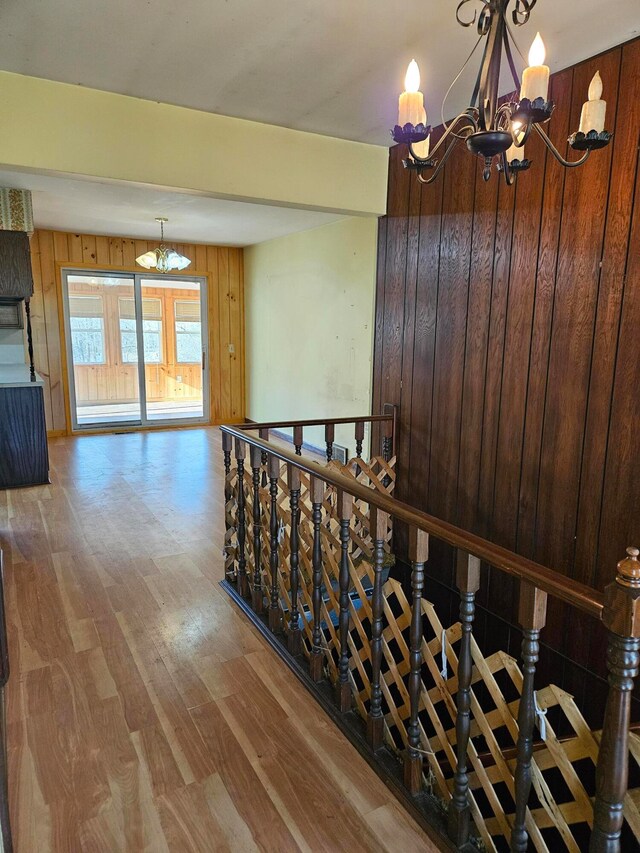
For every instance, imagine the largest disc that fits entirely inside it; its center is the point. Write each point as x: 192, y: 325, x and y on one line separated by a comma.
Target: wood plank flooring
x: 144, y: 711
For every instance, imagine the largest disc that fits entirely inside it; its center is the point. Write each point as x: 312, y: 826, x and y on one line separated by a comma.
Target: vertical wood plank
x: 425, y: 341
x: 403, y: 439
x: 214, y: 333
x: 453, y: 289
x: 50, y: 299
x: 61, y: 246
x: 102, y: 250
x: 475, y: 361
x: 39, y: 328
x: 224, y: 332
x: 377, y: 337
x: 517, y: 345
x: 395, y: 270
x: 621, y: 501
x: 547, y: 258
x: 200, y: 258
x: 579, y: 254
x: 115, y: 251
x: 617, y: 243
x: 129, y: 254
x: 74, y: 242
x: 88, y: 249
x: 235, y: 335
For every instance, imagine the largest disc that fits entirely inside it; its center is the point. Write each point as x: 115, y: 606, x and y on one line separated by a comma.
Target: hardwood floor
x: 144, y: 712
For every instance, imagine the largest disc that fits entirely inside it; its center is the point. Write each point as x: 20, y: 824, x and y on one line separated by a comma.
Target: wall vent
x: 340, y: 453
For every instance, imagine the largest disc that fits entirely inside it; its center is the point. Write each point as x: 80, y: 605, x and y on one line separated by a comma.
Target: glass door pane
x: 173, y: 335
x: 103, y: 351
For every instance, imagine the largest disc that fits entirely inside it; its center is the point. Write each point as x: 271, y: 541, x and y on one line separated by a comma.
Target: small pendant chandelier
x: 162, y: 258
x: 496, y: 131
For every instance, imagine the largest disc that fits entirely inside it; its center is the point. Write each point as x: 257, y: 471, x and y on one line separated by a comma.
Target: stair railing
x: 618, y: 609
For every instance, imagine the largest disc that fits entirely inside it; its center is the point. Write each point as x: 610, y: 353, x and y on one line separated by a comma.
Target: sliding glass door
x: 136, y: 349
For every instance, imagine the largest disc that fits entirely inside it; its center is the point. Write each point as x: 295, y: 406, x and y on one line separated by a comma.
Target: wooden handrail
x: 554, y: 583
x: 336, y: 421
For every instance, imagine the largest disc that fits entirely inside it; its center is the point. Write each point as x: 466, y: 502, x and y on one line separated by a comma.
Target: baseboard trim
x: 424, y: 808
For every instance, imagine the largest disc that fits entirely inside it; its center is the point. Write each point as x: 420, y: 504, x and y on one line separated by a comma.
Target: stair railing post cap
x: 629, y: 569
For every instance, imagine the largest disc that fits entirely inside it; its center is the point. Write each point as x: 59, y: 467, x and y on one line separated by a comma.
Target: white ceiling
x: 120, y: 209
x: 331, y: 67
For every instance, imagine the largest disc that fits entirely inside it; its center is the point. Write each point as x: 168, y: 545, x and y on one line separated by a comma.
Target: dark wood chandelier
x: 496, y: 131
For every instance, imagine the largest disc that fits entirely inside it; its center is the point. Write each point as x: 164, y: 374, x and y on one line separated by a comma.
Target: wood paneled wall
x: 506, y: 331
x: 223, y: 269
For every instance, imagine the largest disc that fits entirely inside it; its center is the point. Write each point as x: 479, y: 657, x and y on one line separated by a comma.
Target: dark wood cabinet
x: 24, y: 458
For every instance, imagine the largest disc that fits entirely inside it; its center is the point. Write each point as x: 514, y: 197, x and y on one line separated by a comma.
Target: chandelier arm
x: 520, y: 136
x: 474, y: 97
x: 473, y: 20
x: 569, y: 164
x: 448, y: 132
x: 509, y: 175
x: 520, y: 14
x: 509, y: 55
x: 440, y: 166
x: 513, y: 39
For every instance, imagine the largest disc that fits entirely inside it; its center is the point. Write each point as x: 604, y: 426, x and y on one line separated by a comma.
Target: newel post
x: 621, y: 617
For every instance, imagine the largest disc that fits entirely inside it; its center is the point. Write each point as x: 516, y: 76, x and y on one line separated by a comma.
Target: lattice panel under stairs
x: 563, y: 769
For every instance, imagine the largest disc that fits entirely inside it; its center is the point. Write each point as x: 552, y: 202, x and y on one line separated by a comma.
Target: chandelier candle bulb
x: 594, y: 110
x: 421, y: 149
x: 515, y: 153
x: 411, y: 102
x: 535, y: 78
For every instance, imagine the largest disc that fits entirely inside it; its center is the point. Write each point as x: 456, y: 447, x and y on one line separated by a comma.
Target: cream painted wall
x: 309, y: 307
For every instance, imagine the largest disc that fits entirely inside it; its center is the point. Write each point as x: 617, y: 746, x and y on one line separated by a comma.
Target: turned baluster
x: 256, y: 592
x: 294, y: 639
x: 329, y: 436
x: 317, y: 493
x: 264, y: 435
x: 532, y: 616
x: 32, y: 369
x: 297, y: 439
x: 379, y: 523
x: 621, y: 617
x: 226, y: 452
x: 343, y: 690
x: 468, y: 582
x: 418, y: 554
x: 387, y: 448
x: 243, y: 581
x: 359, y: 436
x: 227, y: 444
x: 274, y: 605
x: 387, y: 440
